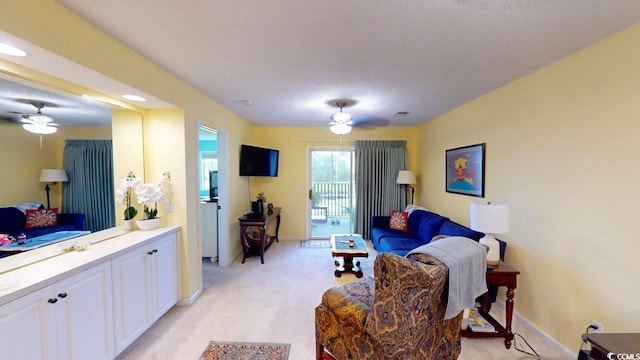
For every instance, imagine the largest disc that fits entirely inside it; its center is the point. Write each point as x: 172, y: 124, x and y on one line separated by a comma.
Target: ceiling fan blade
x: 371, y: 123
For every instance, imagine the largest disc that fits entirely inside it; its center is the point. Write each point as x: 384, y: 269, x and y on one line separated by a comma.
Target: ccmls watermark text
x: 623, y: 356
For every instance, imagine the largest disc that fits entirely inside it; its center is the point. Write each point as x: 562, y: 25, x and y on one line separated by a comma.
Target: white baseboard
x: 190, y: 300
x: 568, y: 354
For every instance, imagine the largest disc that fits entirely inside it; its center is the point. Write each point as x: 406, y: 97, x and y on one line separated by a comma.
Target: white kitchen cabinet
x: 164, y: 272
x: 84, y: 315
x: 209, y: 230
x: 71, y: 319
x: 29, y: 327
x: 145, y: 286
x: 130, y: 296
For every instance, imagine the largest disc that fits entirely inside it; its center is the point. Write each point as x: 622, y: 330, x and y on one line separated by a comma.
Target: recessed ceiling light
x: 134, y: 97
x: 11, y: 50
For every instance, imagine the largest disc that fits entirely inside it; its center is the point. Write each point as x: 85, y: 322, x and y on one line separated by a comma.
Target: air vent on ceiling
x: 401, y: 113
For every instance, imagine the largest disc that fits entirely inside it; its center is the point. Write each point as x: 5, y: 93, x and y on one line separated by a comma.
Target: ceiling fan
x: 38, y: 123
x: 341, y: 122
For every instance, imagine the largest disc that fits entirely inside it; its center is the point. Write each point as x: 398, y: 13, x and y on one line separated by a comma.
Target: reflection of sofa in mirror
x: 13, y: 223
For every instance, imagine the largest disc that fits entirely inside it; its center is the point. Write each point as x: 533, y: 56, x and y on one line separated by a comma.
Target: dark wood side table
x: 253, y: 242
x: 616, y: 343
x: 501, y: 275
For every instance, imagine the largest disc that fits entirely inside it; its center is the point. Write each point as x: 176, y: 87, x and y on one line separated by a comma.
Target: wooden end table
x: 258, y: 244
x: 501, y: 275
x: 341, y: 248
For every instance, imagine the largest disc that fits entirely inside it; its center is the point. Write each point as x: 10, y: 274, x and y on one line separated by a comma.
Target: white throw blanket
x: 466, y: 260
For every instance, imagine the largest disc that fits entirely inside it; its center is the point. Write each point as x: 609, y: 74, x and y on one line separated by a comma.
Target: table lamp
x: 407, y: 177
x: 52, y: 176
x: 490, y: 218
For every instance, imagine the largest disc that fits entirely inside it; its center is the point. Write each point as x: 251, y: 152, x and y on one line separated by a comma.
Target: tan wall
x: 23, y: 159
x: 562, y: 149
x: 293, y: 143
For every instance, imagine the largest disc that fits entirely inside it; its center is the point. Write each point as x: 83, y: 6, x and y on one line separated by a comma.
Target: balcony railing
x: 331, y: 200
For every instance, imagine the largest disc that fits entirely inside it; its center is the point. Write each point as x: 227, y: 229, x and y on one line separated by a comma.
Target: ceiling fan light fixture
x: 340, y: 129
x: 341, y: 123
x: 40, y: 128
x: 37, y: 118
x: 38, y: 123
x: 341, y: 117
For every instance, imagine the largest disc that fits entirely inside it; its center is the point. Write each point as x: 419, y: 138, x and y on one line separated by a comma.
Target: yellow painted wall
x: 23, y: 159
x: 293, y: 143
x: 562, y: 149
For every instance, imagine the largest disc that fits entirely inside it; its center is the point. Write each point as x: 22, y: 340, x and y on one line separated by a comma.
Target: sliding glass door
x: 331, y: 192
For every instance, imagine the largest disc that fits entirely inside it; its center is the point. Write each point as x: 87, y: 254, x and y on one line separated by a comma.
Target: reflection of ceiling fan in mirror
x: 38, y: 123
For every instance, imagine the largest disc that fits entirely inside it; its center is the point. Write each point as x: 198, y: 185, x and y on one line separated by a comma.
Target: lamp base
x: 493, y: 255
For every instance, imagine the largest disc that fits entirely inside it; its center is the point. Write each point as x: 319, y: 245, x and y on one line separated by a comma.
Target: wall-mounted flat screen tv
x: 257, y: 161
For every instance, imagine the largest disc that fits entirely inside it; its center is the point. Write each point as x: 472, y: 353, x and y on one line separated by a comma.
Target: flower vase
x: 128, y: 224
x: 149, y: 224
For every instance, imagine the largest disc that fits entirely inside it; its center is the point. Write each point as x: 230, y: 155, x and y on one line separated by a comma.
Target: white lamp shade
x: 406, y: 177
x: 53, y: 176
x: 490, y: 217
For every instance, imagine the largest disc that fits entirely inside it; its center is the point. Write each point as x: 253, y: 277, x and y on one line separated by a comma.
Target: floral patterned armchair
x: 397, y: 314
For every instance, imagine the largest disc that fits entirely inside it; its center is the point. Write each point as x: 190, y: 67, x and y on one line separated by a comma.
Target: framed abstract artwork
x: 465, y: 170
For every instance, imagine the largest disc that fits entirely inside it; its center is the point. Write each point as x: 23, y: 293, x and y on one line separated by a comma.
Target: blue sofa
x: 12, y: 222
x: 422, y: 227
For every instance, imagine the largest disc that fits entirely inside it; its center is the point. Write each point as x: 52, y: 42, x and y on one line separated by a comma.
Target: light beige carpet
x: 275, y: 302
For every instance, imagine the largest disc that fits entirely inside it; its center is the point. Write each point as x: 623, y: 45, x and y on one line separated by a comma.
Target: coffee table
x: 340, y: 248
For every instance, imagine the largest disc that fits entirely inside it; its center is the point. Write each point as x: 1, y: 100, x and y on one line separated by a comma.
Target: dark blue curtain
x: 377, y: 166
x: 89, y: 167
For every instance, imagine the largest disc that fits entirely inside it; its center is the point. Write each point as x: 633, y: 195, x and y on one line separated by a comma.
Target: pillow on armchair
x: 399, y: 220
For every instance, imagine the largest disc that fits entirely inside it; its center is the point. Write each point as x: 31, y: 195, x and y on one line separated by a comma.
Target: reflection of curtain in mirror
x: 89, y: 167
x: 377, y: 166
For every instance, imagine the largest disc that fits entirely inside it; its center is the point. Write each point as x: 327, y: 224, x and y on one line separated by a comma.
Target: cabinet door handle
x: 150, y: 252
x: 311, y: 194
x: 52, y: 300
x: 62, y: 295
x: 155, y: 250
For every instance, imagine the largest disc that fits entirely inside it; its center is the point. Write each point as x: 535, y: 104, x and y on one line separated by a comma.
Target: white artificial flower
x: 148, y: 194
x: 124, y: 192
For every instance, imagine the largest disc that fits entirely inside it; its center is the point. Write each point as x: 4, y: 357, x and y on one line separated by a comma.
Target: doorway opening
x: 331, y: 195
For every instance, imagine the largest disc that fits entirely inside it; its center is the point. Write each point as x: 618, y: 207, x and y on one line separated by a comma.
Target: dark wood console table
x: 616, y: 343
x: 253, y: 233
x: 501, y: 275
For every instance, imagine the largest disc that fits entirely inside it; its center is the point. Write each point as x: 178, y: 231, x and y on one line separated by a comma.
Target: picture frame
x: 464, y: 169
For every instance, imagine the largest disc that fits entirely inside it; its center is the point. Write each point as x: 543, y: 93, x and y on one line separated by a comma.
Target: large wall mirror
x: 24, y: 154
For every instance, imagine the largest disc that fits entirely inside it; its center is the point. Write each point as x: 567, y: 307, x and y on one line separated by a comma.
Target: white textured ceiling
x: 294, y: 58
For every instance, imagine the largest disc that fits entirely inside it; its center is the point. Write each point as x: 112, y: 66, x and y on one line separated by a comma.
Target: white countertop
x: 49, y: 266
